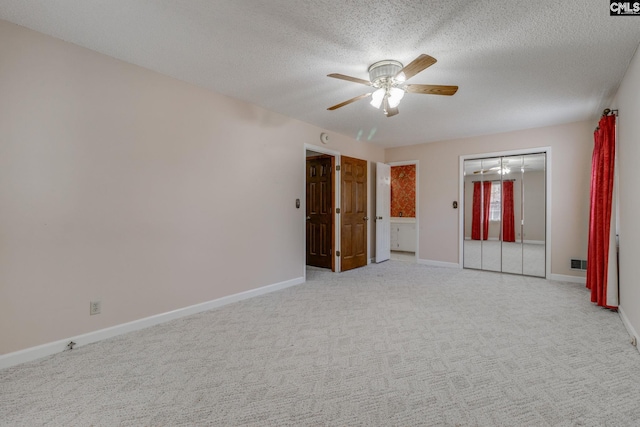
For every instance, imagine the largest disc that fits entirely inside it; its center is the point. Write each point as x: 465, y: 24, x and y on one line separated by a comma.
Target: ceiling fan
x: 388, y: 78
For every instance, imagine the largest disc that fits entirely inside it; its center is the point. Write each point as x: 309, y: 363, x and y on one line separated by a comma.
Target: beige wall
x: 628, y: 102
x: 122, y: 184
x: 571, y: 146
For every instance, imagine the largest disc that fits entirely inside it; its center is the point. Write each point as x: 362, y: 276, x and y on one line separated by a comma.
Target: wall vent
x: 579, y: 264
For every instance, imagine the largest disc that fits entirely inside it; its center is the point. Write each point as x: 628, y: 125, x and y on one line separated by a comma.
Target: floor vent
x: 579, y: 264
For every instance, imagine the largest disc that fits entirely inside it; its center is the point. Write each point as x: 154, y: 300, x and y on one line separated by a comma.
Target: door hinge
x: 337, y: 210
x: 337, y: 253
x: 337, y: 168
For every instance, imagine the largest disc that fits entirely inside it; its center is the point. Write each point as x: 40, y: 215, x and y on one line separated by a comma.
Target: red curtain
x: 508, y: 216
x: 602, y: 169
x: 480, y: 217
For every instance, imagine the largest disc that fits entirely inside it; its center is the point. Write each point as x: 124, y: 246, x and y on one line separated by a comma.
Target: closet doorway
x: 505, y: 213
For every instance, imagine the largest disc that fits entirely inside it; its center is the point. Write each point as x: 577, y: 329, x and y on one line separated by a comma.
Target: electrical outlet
x: 95, y: 307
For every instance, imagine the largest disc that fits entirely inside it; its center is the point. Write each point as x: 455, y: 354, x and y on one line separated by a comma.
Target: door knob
x: 366, y: 218
x: 308, y: 218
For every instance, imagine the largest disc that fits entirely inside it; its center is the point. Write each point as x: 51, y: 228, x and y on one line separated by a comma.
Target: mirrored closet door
x: 505, y: 214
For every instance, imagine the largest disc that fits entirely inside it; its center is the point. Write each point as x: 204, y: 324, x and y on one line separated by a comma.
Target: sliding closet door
x: 534, y: 215
x: 491, y: 255
x: 505, y: 214
x: 481, y: 225
x: 511, y: 220
x: 472, y: 251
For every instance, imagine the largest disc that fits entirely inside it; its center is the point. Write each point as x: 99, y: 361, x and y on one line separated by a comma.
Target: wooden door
x: 353, y: 231
x: 320, y: 196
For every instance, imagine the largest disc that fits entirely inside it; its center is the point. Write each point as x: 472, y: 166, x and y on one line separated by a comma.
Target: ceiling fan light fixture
x: 383, y: 71
x: 377, y: 97
x: 395, y: 95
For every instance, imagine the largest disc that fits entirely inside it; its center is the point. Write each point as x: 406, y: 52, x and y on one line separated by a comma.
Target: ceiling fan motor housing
x: 383, y: 71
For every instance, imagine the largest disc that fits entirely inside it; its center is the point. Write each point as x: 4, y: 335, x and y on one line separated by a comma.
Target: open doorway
x: 336, y: 218
x: 404, y: 207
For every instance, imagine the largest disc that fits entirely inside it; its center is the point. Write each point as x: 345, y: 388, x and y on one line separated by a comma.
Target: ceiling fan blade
x: 349, y: 79
x: 421, y: 63
x: 432, y: 89
x: 388, y: 111
x: 342, y: 104
x: 392, y: 112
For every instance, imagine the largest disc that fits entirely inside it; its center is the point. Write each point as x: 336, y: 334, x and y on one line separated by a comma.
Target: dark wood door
x: 320, y: 230
x: 353, y: 231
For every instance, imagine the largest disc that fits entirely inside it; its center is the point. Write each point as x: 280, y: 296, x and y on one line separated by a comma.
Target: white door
x: 383, y: 212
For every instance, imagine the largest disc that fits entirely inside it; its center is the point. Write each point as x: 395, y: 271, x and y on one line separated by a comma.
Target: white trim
x: 461, y: 237
x: 369, y: 214
x: 403, y: 163
x: 533, y: 150
x: 439, y: 263
x: 627, y: 324
x: 33, y: 353
x: 336, y: 216
x: 548, y: 189
x: 567, y: 278
x: 417, y: 201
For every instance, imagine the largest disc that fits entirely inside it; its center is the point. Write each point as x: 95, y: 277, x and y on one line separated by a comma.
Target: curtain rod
x: 608, y: 112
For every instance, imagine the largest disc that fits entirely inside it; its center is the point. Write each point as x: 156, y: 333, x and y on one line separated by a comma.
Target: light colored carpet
x: 390, y: 344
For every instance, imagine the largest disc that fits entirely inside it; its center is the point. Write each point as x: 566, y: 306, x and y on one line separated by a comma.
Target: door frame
x: 381, y: 215
x: 461, y: 207
x: 417, y: 163
x: 336, y: 217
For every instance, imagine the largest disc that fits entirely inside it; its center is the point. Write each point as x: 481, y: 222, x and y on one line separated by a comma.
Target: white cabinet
x: 403, y: 234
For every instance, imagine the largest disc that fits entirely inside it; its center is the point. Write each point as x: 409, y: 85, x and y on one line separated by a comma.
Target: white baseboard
x: 33, y: 353
x: 566, y: 278
x: 625, y: 321
x: 439, y: 263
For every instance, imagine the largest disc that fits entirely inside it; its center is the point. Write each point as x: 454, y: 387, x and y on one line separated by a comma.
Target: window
x: 495, y: 202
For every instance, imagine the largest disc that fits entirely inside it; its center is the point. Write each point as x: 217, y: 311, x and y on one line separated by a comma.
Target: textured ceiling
x: 519, y: 63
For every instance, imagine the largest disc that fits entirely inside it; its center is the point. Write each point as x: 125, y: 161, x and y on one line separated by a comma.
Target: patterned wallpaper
x: 403, y: 191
